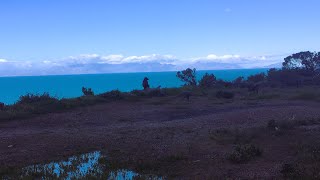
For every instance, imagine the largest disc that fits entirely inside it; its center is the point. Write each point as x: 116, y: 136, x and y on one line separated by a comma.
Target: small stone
x: 10, y: 146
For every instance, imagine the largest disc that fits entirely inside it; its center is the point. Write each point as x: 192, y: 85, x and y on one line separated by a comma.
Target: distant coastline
x: 134, y: 72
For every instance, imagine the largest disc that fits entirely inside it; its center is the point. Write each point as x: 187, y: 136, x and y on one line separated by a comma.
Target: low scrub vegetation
x: 31, y: 104
x: 114, y: 94
x: 291, y: 123
x: 244, y: 153
x: 225, y: 94
x: 306, y: 165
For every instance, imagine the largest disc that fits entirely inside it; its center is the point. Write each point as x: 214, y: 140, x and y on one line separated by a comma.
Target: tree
x: 307, y: 60
x: 188, y: 76
x: 207, y: 81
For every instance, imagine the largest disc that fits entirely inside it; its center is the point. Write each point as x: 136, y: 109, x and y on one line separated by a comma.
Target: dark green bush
x: 35, y: 104
x: 207, y: 81
x: 225, y: 94
x: 257, y: 78
x: 188, y: 76
x: 36, y: 98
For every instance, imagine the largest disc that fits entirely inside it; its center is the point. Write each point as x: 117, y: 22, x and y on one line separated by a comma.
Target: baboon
x: 185, y: 94
x: 145, y: 83
x: 87, y: 91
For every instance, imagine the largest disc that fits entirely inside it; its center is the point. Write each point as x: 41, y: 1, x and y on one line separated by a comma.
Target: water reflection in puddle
x: 90, y: 165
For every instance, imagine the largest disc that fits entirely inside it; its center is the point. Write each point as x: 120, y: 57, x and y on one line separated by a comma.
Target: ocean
x: 68, y: 86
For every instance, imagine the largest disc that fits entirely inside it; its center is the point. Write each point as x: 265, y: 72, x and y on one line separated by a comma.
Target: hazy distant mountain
x: 275, y: 65
x: 214, y: 66
x: 94, y: 64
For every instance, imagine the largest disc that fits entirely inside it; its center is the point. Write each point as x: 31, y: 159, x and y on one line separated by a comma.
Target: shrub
x: 239, y: 82
x: 257, y: 78
x: 207, y: 81
x: 35, y: 104
x: 114, y: 94
x: 188, y: 76
x: 225, y: 94
x: 87, y: 91
x: 244, y: 153
x: 36, y: 98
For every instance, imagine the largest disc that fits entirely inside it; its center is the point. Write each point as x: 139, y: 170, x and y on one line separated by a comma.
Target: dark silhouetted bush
x: 307, y: 60
x: 257, y: 78
x: 36, y: 104
x: 188, y: 76
x: 239, y: 82
x: 207, y: 81
x: 36, y: 98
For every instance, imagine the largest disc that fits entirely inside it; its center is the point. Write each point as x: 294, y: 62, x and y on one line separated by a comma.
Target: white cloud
x: 94, y: 63
x: 243, y: 61
x: 3, y: 60
x: 120, y: 59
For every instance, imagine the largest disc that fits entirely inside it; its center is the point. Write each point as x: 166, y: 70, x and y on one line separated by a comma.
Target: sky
x: 39, y: 37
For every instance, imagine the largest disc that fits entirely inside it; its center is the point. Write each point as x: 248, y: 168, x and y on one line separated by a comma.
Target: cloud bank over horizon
x: 117, y: 63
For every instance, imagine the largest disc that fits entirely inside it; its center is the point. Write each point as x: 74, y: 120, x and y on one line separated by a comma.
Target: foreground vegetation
x: 34, y: 104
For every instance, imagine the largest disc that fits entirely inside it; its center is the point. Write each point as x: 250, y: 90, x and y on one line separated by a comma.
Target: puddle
x: 90, y: 165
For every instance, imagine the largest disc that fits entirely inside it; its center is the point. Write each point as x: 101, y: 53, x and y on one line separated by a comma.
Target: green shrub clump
x: 36, y: 98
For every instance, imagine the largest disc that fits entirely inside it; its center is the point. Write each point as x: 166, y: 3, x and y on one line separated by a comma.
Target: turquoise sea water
x: 66, y: 86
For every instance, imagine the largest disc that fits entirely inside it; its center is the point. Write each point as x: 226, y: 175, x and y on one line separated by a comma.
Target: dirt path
x: 152, y: 130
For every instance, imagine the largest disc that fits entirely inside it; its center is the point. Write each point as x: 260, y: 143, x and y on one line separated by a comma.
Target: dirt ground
x: 170, y: 137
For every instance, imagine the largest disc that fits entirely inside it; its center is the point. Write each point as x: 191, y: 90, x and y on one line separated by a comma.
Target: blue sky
x: 43, y: 31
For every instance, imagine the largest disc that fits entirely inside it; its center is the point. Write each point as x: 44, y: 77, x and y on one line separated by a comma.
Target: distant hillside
x: 276, y: 65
